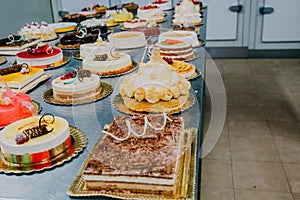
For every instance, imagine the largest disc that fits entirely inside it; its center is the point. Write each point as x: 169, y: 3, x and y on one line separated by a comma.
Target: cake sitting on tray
x: 127, y: 39
x: 14, y: 106
x: 76, y: 87
x: 155, y: 88
x: 74, y: 40
x: 41, y: 56
x: 185, y: 12
x: 131, y: 7
x: 95, y: 26
x: 147, y: 164
x: 140, y: 25
x: 151, y: 13
x: 189, y: 37
x: 108, y: 62
x: 176, y: 49
x: 20, y: 77
x: 12, y: 44
x: 121, y: 15
x: 164, y: 5
x: 35, y: 140
x: 35, y: 30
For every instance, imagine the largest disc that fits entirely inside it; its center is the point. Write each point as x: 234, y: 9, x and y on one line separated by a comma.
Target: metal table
x: 90, y: 118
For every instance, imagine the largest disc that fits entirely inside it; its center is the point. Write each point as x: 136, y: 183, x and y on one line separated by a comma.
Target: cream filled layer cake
x: 76, y: 87
x: 35, y: 139
x: 41, y: 56
x: 176, y: 49
x: 147, y: 164
x: 189, y: 37
x: 187, y: 12
x: 133, y: 23
x: 127, y: 39
x: 164, y: 5
x: 151, y: 13
x: 20, y: 77
x: 105, y: 64
x: 122, y: 15
x: 155, y: 88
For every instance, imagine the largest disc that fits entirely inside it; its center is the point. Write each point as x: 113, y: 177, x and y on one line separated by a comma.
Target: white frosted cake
x: 35, y: 30
x: 106, y: 64
x: 72, y: 88
x: 19, y: 145
x: 86, y: 49
x: 187, y: 12
x: 127, y: 39
x: 129, y: 24
x: 189, y: 37
x: 151, y: 13
x: 164, y: 5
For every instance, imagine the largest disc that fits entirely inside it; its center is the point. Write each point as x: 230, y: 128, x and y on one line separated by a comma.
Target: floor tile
x: 261, y: 195
x: 285, y: 130
x: 286, y: 62
x: 235, y: 69
x: 296, y: 196
x: 275, y: 99
x: 216, y: 173
x: 243, y: 98
x: 280, y: 113
x: 254, y: 150
x: 216, y: 194
x: 259, y: 176
x: 269, y: 84
x: 293, y: 174
x: 289, y: 150
x: 235, y: 113
x: 249, y: 130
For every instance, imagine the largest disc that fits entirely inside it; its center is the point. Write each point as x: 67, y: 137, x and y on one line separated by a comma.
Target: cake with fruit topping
x: 189, y: 37
x: 127, y: 39
x: 164, y: 5
x: 35, y: 140
x: 151, y: 13
x: 155, y: 87
x: 107, y: 63
x: 130, y: 159
x: 185, y: 12
x: 76, y: 87
x: 133, y: 23
x: 14, y: 106
x: 41, y: 56
x: 35, y: 31
x: 185, y: 69
x: 99, y: 8
x: 176, y: 49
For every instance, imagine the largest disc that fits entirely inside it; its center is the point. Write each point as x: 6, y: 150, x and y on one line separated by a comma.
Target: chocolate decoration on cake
x: 37, y: 131
x: 82, y: 73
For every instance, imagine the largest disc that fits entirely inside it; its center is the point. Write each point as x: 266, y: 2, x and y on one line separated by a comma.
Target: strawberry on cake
x: 41, y: 56
x: 164, y: 5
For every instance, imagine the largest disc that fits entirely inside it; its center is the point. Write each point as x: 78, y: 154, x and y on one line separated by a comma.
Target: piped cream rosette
x: 155, y: 87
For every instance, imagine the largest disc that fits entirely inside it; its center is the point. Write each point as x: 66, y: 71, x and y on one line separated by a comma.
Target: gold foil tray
x: 79, y: 140
x: 120, y: 106
x: 106, y: 89
x: 186, y: 185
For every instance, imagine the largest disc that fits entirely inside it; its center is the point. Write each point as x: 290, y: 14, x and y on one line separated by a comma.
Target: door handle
x: 236, y: 8
x: 266, y: 10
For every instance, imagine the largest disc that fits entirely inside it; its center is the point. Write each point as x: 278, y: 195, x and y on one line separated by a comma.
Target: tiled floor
x: 257, y: 155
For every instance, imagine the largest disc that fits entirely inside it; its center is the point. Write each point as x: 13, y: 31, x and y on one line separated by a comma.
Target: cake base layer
x: 172, y: 105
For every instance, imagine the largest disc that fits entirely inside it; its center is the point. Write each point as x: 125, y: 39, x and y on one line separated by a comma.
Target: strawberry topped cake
x: 151, y: 13
x: 41, y: 56
x: 164, y: 5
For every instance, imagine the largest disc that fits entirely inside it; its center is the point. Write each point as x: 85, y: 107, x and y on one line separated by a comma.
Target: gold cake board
x: 186, y: 185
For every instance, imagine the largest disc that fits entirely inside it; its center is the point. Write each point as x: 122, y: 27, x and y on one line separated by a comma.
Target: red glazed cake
x: 41, y: 56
